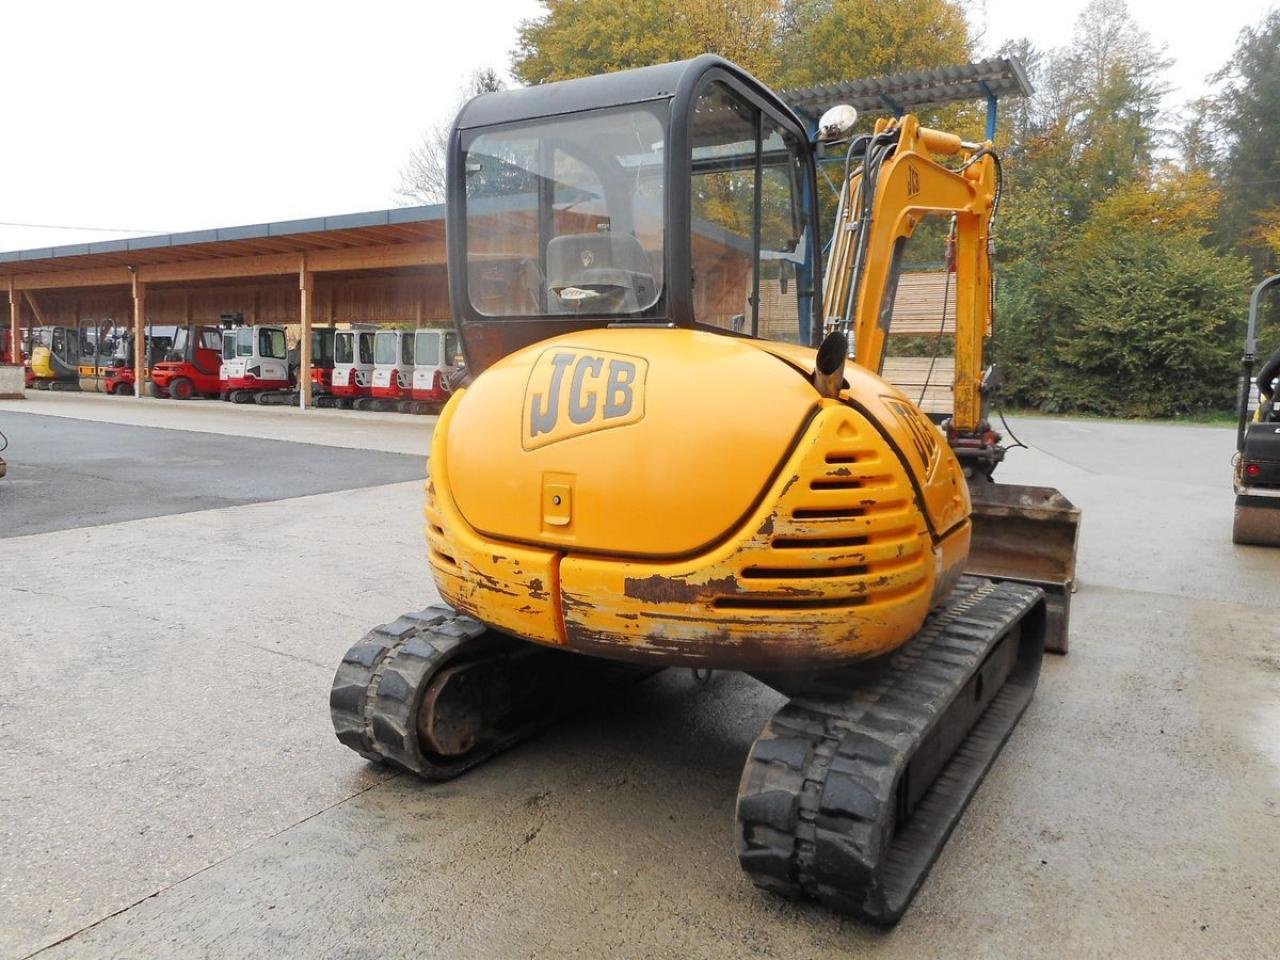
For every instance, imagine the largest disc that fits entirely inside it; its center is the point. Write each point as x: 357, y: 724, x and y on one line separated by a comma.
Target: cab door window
x: 750, y: 238
x: 723, y: 191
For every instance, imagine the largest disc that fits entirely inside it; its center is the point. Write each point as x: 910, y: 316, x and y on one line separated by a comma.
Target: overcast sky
x: 157, y: 117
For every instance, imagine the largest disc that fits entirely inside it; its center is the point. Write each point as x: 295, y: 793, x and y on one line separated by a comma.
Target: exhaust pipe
x: 828, y: 372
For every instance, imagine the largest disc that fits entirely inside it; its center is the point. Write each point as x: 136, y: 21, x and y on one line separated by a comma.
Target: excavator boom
x: 1026, y: 534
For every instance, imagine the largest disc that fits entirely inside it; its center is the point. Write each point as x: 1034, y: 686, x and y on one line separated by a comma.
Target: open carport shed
x: 384, y: 266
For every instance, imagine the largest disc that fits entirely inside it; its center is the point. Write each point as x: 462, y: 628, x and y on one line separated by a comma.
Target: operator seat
x: 585, y: 270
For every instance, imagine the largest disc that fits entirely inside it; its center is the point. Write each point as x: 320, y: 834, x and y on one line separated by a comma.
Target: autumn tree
x: 422, y: 180
x: 826, y: 40
x: 576, y: 38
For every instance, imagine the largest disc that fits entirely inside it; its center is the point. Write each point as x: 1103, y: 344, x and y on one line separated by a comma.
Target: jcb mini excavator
x: 653, y: 466
x: 1257, y: 464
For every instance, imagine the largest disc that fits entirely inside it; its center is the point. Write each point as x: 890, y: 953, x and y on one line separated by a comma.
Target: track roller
x: 436, y: 692
x: 852, y: 789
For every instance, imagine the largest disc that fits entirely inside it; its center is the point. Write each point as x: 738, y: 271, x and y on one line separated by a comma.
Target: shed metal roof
x: 371, y: 228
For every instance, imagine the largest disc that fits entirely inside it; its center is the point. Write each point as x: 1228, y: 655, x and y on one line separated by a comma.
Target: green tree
x: 1145, y: 312
x: 1246, y: 110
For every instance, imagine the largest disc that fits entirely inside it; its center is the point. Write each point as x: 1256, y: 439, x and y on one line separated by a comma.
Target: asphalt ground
x: 65, y: 473
x: 170, y: 785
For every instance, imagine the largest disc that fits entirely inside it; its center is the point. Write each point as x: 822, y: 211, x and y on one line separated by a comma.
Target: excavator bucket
x: 1028, y: 535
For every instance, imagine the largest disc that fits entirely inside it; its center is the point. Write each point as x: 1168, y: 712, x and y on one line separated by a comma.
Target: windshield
x: 565, y: 215
x: 384, y: 348
x: 244, y: 342
x: 428, y: 348
x: 322, y: 347
x: 180, y: 340
x: 343, y: 350
x: 228, y: 346
x: 271, y: 343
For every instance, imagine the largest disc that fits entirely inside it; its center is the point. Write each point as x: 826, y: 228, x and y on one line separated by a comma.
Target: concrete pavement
x: 170, y: 785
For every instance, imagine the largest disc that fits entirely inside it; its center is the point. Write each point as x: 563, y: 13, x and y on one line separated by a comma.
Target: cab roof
x: 605, y: 90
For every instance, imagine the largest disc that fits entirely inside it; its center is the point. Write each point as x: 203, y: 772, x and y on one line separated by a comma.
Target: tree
x: 828, y: 40
x: 1245, y: 111
x: 1146, y: 312
x: 576, y: 38
x: 422, y: 180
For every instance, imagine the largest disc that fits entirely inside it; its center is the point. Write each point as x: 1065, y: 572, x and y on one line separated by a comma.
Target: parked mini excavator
x: 1257, y: 463
x: 652, y: 466
x: 352, y: 365
x: 55, y: 358
x: 260, y: 364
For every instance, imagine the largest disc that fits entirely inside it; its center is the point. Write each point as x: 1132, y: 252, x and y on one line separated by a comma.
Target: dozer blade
x: 1257, y: 521
x: 1027, y: 535
x: 853, y: 788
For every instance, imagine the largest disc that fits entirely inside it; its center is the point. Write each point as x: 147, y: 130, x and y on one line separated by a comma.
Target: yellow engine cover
x: 688, y: 497
x: 42, y: 363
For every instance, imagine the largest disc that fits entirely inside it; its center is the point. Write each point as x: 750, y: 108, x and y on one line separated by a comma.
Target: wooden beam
x: 269, y: 265
x: 35, y: 308
x: 98, y: 277
x: 306, y: 301
x: 139, y: 335
x: 375, y: 258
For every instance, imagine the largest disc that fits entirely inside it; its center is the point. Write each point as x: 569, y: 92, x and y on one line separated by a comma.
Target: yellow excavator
x: 668, y: 453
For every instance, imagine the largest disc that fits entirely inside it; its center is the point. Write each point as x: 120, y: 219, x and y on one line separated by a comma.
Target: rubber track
x: 378, y: 686
x: 816, y: 807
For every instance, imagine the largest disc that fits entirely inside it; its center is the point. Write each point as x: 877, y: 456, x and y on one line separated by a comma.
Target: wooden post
x: 139, y: 335
x: 15, y: 333
x: 306, y: 298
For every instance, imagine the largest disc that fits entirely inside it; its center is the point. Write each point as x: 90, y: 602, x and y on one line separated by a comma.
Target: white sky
x: 167, y: 116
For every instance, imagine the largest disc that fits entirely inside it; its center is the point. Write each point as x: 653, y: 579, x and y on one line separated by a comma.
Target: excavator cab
x: 658, y: 457
x: 679, y: 195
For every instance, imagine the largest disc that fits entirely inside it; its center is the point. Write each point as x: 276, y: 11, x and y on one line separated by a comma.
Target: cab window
x: 749, y: 240
x: 366, y: 348
x: 428, y: 349
x: 565, y: 214
x: 271, y: 343
x: 384, y: 348
x: 343, y: 348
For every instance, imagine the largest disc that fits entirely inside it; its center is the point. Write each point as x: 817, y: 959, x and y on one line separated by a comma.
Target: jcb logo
x: 913, y: 181
x: 572, y: 392
x: 924, y: 435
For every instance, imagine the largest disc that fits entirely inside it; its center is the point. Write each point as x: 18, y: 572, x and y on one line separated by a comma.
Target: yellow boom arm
x: 900, y: 183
